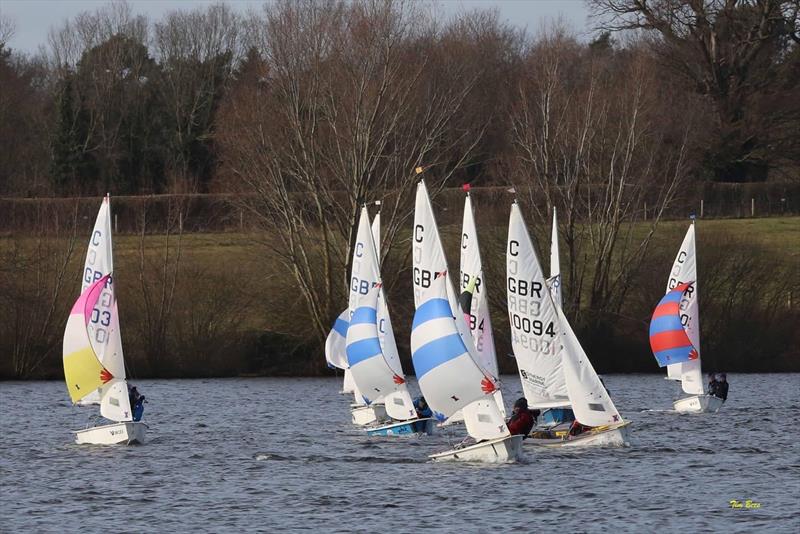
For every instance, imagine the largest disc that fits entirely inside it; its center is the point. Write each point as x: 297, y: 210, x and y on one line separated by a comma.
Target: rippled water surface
x: 269, y: 454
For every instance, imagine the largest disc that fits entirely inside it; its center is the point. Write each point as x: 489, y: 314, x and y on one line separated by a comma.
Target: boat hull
x: 698, y: 404
x: 367, y: 415
x: 125, y: 433
x: 404, y: 428
x: 500, y: 450
x: 617, y: 436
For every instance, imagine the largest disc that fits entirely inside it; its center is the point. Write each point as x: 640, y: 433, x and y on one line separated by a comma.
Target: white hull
x: 126, y: 433
x: 611, y: 437
x: 500, y: 450
x: 698, y: 404
x: 365, y: 415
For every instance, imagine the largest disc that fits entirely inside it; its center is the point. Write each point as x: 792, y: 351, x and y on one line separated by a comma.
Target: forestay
x: 429, y: 264
x: 475, y: 306
x: 376, y: 373
x: 533, y: 320
x: 684, y: 269
x: 590, y: 400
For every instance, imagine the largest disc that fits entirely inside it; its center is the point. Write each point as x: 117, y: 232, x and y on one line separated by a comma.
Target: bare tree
x: 741, y: 55
x: 588, y: 142
x: 350, y: 98
x: 35, y: 272
x: 198, y: 50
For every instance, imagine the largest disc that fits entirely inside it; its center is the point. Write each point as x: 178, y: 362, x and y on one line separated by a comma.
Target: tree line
x: 306, y: 110
x: 116, y: 101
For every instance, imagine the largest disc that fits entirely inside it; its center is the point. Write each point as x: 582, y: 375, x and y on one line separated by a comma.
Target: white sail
x: 347, y: 382
x: 684, y: 269
x: 377, y: 374
x: 385, y: 330
x: 455, y: 378
x: 590, y: 400
x: 100, y: 262
x: 554, y: 283
x: 471, y: 278
x: 376, y: 234
x: 533, y: 320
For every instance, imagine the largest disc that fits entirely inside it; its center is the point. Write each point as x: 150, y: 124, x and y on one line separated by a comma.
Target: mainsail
x: 684, y: 269
x: 105, y: 334
x: 533, y: 320
x: 376, y: 371
x: 474, y: 303
x: 437, y: 319
x: 83, y: 371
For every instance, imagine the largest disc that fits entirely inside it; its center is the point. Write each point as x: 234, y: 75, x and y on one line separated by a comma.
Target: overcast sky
x: 33, y: 18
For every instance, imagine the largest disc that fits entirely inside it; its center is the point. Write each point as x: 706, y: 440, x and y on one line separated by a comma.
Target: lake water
x: 268, y: 454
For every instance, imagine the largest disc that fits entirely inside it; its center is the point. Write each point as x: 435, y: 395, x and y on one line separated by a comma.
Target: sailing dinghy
x: 675, y: 331
x: 554, y: 369
x: 92, y: 348
x: 449, y: 371
x: 371, y: 349
x: 336, y: 357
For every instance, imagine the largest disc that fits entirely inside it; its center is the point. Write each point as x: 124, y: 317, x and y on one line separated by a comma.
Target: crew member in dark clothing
x: 522, y: 419
x: 423, y: 410
x: 713, y: 385
x: 137, y: 402
x: 722, y: 387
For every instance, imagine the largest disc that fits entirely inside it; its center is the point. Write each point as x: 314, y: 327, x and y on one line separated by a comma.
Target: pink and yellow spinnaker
x: 82, y: 369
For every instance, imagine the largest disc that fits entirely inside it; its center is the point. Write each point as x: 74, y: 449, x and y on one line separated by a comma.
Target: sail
x: 590, y: 400
x: 335, y: 344
x: 668, y: 337
x: 533, y: 320
x: 684, y: 269
x: 554, y: 283
x: 376, y: 234
x: 367, y: 365
x: 430, y: 265
x: 383, y: 371
x: 83, y: 371
x: 100, y: 262
x: 473, y: 299
x: 448, y: 376
x: 428, y: 259
x: 385, y: 330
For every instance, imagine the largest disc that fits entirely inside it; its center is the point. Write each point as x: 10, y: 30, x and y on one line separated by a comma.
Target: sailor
x: 137, y: 402
x: 722, y: 387
x: 713, y: 385
x: 423, y: 410
x: 522, y: 419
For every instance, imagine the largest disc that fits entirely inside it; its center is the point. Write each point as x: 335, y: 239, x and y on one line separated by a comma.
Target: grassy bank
x: 217, y: 304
